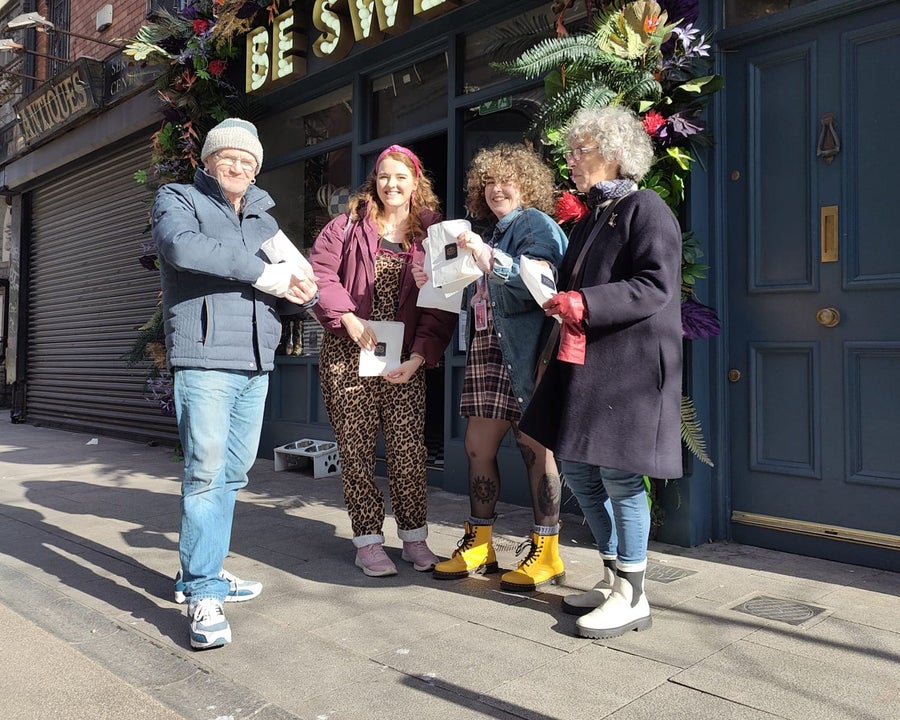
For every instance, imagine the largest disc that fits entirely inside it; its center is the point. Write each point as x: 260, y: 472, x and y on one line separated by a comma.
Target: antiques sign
x: 58, y: 103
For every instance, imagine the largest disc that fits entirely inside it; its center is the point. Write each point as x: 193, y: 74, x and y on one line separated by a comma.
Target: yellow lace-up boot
x: 542, y: 565
x: 474, y: 555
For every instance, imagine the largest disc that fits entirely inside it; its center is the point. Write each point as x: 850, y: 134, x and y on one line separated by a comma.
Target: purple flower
x: 679, y: 127
x: 698, y: 321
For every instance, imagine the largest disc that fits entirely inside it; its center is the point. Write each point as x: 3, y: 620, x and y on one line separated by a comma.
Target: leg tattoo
x: 548, y: 494
x: 484, y: 489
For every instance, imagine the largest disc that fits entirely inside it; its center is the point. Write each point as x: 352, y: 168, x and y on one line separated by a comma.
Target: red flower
x: 652, y: 122
x: 569, y: 207
x: 200, y: 26
x: 216, y: 67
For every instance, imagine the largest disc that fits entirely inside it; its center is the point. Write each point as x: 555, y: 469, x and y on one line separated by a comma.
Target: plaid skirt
x: 486, y: 391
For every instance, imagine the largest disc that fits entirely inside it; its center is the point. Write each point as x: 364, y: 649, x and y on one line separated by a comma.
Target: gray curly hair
x: 619, y: 135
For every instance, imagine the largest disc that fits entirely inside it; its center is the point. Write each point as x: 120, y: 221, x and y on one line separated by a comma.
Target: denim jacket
x: 519, y: 322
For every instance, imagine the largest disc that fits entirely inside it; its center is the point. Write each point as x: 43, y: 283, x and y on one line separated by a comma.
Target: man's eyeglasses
x: 248, y: 166
x: 578, y: 153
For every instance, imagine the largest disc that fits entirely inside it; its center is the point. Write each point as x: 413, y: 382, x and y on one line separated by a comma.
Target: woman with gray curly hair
x: 608, y: 404
x: 512, y: 187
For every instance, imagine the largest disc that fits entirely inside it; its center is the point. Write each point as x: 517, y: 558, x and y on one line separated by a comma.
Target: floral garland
x: 632, y: 55
x: 194, y: 49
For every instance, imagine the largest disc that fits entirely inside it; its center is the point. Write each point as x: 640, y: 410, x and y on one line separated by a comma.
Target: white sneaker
x: 209, y: 628
x: 238, y: 590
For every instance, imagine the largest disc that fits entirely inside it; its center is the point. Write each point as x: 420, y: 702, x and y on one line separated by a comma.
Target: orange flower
x: 651, y: 24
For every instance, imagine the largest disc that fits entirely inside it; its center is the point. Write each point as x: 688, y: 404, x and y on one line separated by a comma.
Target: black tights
x: 483, y: 438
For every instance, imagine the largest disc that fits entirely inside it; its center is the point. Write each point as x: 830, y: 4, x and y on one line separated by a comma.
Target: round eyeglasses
x: 248, y: 166
x: 579, y: 152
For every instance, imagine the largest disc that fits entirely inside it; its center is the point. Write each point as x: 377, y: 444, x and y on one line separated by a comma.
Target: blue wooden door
x: 812, y: 214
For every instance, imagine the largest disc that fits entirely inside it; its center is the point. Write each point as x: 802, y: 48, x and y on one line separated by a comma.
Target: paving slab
x: 88, y: 551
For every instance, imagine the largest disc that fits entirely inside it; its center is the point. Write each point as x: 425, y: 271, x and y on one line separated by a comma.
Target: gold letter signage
x: 278, y: 53
x: 273, y: 60
x: 56, y: 104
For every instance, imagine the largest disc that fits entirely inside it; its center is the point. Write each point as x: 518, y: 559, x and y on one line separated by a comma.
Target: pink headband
x: 403, y: 151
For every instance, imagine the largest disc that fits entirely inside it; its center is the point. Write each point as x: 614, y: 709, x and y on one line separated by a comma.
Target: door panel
x: 815, y: 417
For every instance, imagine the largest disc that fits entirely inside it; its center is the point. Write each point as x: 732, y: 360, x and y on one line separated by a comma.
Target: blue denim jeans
x: 220, y: 415
x: 614, y: 504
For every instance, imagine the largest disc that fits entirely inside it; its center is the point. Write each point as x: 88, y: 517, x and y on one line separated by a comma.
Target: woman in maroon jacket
x: 363, y: 264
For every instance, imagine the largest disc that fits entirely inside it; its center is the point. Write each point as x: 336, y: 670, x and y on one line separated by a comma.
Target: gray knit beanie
x: 233, y: 133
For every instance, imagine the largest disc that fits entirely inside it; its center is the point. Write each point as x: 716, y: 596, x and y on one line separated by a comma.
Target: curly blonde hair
x: 423, y: 196
x: 619, y: 136
x: 510, y: 163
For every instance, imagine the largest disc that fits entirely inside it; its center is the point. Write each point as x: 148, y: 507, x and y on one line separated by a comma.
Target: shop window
x: 505, y: 41
x: 409, y: 97
x: 309, y: 193
x: 742, y: 11
x: 325, y: 118
x: 173, y: 7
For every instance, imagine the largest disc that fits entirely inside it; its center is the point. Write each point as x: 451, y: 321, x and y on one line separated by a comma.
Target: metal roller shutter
x: 87, y: 294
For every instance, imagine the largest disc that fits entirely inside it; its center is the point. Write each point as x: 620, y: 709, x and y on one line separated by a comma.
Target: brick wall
x: 127, y: 17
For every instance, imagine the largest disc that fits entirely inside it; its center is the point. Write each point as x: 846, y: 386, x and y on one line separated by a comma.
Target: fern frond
x: 549, y: 54
x: 691, y: 432
x: 643, y: 87
x: 511, y: 41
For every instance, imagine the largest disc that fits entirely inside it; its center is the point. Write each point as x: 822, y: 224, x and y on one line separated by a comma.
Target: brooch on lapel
x: 612, y: 220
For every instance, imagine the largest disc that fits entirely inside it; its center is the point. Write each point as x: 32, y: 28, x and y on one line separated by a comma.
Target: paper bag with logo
x: 388, y: 346
x: 447, y: 298
x: 449, y: 266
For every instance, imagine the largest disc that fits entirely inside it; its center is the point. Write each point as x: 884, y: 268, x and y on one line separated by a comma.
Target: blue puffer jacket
x: 209, y: 259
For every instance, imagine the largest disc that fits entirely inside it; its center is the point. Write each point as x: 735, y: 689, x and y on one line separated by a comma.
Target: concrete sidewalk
x: 88, y: 536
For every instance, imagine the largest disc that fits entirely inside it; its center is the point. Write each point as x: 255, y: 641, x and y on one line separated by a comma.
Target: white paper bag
x: 449, y: 264
x: 538, y: 278
x: 388, y: 346
x: 449, y: 299
x: 279, y: 248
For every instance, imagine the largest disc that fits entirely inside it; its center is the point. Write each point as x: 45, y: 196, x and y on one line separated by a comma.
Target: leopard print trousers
x: 357, y: 405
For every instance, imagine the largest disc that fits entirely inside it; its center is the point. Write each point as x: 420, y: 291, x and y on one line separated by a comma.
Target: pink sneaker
x: 419, y: 555
x: 374, y: 561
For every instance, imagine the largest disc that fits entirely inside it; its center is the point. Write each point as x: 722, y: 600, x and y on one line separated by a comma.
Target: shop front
x: 427, y: 84
x: 76, y: 223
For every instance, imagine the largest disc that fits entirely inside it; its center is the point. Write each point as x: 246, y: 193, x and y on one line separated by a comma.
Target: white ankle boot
x: 625, y: 609
x: 583, y: 602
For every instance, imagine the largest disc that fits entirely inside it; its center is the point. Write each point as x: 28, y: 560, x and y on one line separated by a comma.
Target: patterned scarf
x: 606, y: 190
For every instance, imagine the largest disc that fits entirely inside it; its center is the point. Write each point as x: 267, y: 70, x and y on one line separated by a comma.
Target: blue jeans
x: 614, y: 504
x: 220, y: 415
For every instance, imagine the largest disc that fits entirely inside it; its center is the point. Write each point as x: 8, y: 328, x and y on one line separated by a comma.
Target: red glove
x: 572, y: 344
x: 572, y: 341
x: 568, y: 305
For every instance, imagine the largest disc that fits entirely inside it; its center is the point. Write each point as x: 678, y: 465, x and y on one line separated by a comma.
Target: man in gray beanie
x: 223, y: 289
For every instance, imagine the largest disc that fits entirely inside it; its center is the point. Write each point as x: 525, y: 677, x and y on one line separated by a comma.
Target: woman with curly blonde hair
x: 512, y: 186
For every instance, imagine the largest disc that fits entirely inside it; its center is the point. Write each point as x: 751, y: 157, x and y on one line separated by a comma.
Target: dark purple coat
x: 622, y: 408
x: 344, y: 263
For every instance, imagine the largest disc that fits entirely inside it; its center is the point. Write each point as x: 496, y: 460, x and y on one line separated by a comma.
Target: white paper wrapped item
x: 449, y: 264
x: 279, y: 248
x: 388, y: 345
x: 445, y: 298
x: 538, y: 278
